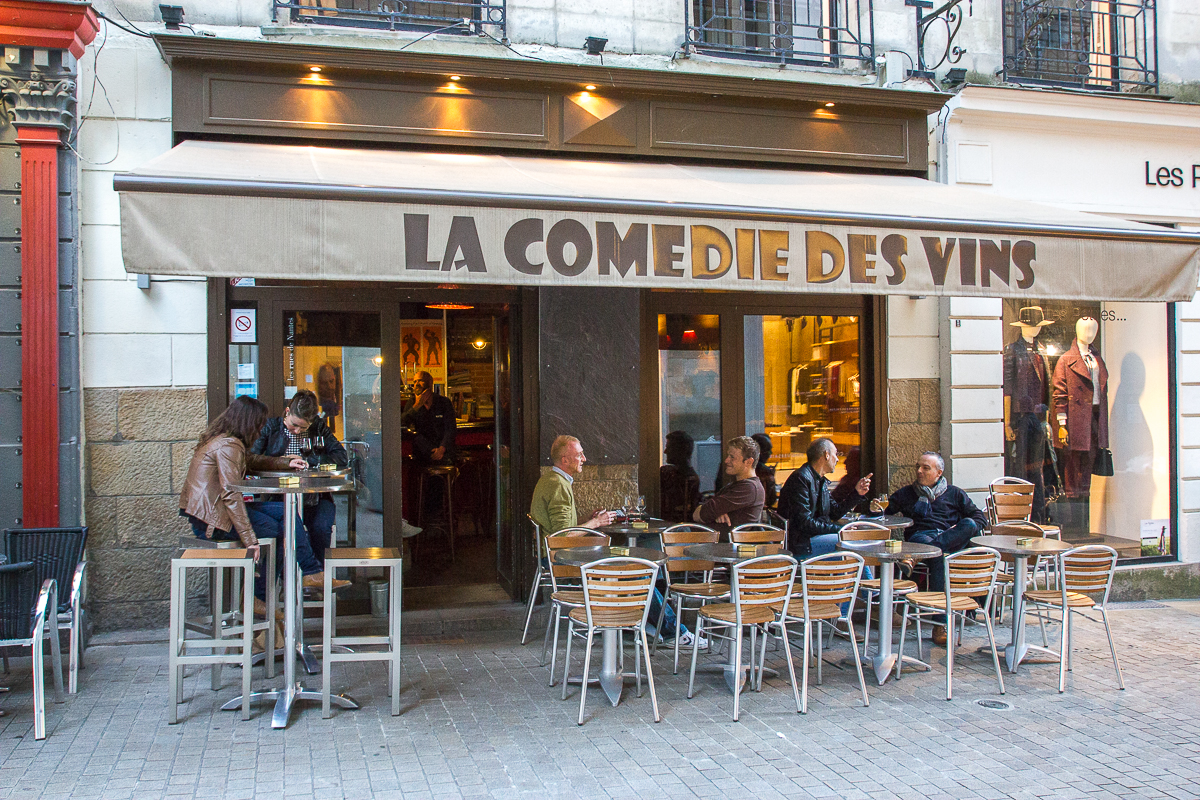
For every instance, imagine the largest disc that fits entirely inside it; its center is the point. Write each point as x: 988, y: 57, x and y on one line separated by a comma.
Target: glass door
x: 689, y: 401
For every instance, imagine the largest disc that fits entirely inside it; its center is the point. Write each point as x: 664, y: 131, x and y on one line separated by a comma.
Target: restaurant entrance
x: 360, y: 349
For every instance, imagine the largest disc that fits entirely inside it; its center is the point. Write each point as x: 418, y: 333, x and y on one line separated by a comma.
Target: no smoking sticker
x: 243, y: 325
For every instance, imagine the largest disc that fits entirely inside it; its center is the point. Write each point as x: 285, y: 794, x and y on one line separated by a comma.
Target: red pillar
x: 39, y: 325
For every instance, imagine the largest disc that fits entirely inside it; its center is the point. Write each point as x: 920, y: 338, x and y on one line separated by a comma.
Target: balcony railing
x: 821, y: 33
x: 470, y: 17
x: 1098, y: 45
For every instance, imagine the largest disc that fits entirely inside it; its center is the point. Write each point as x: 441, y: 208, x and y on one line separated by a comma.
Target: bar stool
x: 231, y: 621
x: 449, y: 474
x: 389, y: 558
x: 214, y: 560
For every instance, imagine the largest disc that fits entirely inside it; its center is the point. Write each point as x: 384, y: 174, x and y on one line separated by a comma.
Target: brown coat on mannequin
x: 1073, y: 393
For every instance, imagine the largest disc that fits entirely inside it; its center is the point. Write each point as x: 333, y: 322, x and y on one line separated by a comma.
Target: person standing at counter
x: 302, y: 432
x: 432, y: 422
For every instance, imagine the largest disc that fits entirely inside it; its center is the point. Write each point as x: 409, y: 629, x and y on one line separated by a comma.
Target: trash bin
x: 379, y: 598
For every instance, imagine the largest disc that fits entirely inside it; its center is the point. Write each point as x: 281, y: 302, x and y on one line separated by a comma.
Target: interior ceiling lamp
x: 172, y: 16
x: 594, y: 45
x: 449, y: 306
x: 479, y: 344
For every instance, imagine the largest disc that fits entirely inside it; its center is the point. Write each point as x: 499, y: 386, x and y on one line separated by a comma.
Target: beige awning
x: 319, y: 213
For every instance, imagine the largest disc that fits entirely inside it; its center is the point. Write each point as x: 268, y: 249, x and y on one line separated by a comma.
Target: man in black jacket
x: 810, y: 511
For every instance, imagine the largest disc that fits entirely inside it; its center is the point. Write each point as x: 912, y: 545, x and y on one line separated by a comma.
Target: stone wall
x: 603, y: 486
x: 139, y: 444
x: 914, y: 426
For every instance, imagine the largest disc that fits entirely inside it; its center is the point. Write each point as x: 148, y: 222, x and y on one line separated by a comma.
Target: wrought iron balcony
x: 1098, y: 45
x: 469, y: 17
x: 820, y: 33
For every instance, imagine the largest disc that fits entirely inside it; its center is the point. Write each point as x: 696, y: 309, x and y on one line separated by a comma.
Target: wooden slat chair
x: 1083, y: 572
x: 758, y: 533
x: 566, y: 590
x: 827, y: 581
x: 970, y: 575
x: 866, y: 531
x: 541, y: 576
x: 759, y: 587
x: 1009, y: 499
x: 616, y: 595
x: 675, y: 541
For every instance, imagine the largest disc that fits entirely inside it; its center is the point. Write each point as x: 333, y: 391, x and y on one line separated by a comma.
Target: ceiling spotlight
x: 172, y: 16
x: 314, y: 69
x: 591, y: 87
x: 594, y: 45
x: 456, y: 77
x: 449, y: 306
x: 378, y: 360
x: 829, y: 105
x: 479, y: 344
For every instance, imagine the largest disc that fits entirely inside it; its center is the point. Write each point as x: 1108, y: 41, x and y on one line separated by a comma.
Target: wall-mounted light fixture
x: 456, y: 78
x: 449, y: 306
x: 314, y: 68
x: 172, y: 16
x: 591, y: 87
x: 479, y: 344
x: 594, y: 45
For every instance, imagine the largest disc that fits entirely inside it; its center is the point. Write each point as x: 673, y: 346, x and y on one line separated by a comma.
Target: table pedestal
x: 884, y: 662
x: 1018, y: 648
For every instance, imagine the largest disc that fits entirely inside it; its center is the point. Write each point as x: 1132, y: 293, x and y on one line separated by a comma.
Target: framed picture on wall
x: 799, y: 391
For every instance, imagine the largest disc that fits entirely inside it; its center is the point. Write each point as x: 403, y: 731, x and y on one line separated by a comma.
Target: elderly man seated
x: 942, y: 514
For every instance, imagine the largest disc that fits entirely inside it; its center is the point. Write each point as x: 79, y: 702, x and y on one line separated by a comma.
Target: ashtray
x: 289, y: 481
x: 892, y: 544
x: 747, y: 550
x: 641, y: 526
x: 1024, y: 541
x: 327, y: 467
x: 619, y: 551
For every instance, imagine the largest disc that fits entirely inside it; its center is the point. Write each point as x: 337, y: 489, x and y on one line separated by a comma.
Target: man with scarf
x: 943, y: 515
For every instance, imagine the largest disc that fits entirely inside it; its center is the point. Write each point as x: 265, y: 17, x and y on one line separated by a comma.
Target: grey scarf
x: 932, y: 493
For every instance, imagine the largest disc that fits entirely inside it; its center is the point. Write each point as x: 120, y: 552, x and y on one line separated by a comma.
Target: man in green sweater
x: 553, y: 506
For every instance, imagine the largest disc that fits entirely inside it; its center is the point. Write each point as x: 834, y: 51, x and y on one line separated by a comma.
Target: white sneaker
x: 687, y: 639
x: 407, y: 529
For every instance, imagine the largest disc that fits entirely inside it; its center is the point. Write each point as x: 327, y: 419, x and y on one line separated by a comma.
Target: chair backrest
x: 773, y: 517
x: 1018, y: 527
x: 55, y: 553
x: 831, y: 578
x: 757, y: 533
x: 972, y: 572
x: 763, y: 581
x: 675, y: 540
x: 864, y: 531
x: 1088, y: 569
x: 567, y: 538
x: 1011, y: 498
x: 18, y: 593
x: 537, y: 536
x: 617, y: 591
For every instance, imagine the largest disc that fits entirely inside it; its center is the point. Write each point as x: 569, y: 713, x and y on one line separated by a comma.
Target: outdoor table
x: 632, y: 533
x: 1007, y: 545
x: 893, y: 522
x: 341, y: 472
x: 885, y: 659
x: 729, y: 553
x: 612, y: 679
x: 311, y: 482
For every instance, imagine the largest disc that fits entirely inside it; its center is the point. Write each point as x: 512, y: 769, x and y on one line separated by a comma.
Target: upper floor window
x: 821, y: 33
x: 1102, y: 45
x: 470, y: 17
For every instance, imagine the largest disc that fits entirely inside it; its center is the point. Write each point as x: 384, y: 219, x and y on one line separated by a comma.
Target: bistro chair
x: 1083, y: 572
x: 541, y: 576
x: 827, y: 582
x: 761, y: 588
x: 970, y: 575
x: 566, y: 591
x: 57, y: 553
x: 758, y: 533
x: 675, y: 541
x: 1009, y: 499
x: 865, y: 531
x: 27, y: 619
x: 616, y: 596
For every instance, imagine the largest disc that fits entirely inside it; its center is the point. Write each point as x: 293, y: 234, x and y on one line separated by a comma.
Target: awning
x: 318, y: 213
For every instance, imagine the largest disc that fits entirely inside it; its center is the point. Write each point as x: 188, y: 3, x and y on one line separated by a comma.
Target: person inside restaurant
x: 764, y: 471
x: 942, y: 514
x: 742, y: 498
x: 303, y: 432
x: 806, y: 504
x: 432, y: 421
x: 553, y: 505
x: 679, y: 484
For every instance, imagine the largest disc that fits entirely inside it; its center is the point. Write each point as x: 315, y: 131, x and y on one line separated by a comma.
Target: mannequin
x: 1026, y: 404
x: 1080, y: 409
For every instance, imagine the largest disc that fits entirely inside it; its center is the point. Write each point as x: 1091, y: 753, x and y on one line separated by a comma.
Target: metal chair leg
x: 987, y: 618
x: 1112, y: 647
x: 737, y: 673
x: 950, y: 648
x: 587, y: 667
x: 533, y: 596
x: 567, y: 656
x: 650, y: 676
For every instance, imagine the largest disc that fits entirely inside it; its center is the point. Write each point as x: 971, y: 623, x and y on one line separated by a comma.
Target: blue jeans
x: 308, y: 537
x: 265, y: 527
x: 828, y: 543
x: 950, y: 540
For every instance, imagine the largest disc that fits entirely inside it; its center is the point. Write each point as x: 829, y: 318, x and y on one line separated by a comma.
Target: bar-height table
x: 1009, y: 546
x: 612, y: 679
x: 293, y: 603
x: 884, y: 661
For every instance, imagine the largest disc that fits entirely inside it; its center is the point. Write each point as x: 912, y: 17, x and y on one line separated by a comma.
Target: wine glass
x: 627, y: 506
x: 879, y: 504
x: 641, y: 505
x: 306, y: 450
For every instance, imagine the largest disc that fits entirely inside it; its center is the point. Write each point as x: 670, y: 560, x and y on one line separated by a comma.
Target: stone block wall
x: 603, y: 486
x: 914, y: 426
x: 139, y: 444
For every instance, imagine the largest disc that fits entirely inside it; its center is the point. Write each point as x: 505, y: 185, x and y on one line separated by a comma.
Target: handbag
x: 1103, y: 465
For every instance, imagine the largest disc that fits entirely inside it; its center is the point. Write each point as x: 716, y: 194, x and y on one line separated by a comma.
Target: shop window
x: 689, y: 358
x: 1083, y: 381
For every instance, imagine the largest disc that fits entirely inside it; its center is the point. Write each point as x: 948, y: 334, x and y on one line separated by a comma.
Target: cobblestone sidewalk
x: 479, y: 721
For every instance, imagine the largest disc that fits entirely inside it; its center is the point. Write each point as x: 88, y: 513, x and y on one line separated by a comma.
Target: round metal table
x: 1017, y: 648
x: 612, y: 679
x: 633, y: 533
x: 341, y: 472
x: 293, y: 604
x: 884, y: 661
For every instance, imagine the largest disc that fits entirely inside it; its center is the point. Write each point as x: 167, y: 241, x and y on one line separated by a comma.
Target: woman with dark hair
x: 679, y: 485
x: 764, y: 471
x: 218, y: 512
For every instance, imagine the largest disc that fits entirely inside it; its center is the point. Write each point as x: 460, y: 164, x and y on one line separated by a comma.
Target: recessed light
x: 314, y: 69
x: 591, y: 87
x: 456, y: 77
x: 829, y: 105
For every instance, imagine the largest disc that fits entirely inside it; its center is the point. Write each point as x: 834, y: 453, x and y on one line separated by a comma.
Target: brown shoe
x: 260, y: 608
x: 317, y: 581
x: 939, y: 635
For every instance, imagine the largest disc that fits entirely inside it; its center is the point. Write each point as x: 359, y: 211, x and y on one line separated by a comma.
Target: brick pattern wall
x: 914, y: 426
x: 603, y: 487
x: 139, y: 444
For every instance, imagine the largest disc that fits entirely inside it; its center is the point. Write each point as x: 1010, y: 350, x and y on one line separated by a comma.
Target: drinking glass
x: 641, y: 505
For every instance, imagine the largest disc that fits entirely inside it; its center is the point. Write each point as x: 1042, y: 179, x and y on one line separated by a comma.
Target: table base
x: 1013, y: 657
x: 885, y: 666
x: 285, y: 699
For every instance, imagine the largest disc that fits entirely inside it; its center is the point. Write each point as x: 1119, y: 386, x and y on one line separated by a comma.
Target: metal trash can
x: 379, y: 597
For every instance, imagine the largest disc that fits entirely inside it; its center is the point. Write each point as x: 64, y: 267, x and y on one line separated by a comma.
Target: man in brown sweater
x: 741, y: 500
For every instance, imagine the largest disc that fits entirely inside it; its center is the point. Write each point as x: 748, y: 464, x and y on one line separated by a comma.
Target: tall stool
x: 388, y: 557
x: 231, y: 621
x: 214, y: 560
x: 449, y: 474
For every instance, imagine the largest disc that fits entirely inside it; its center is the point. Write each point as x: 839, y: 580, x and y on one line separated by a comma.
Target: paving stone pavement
x: 479, y: 721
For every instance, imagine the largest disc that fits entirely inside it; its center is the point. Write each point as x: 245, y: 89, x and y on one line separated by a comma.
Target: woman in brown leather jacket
x: 218, y: 512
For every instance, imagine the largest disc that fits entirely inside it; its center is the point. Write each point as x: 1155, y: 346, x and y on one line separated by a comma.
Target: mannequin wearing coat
x: 1081, y: 408
x: 1026, y: 402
